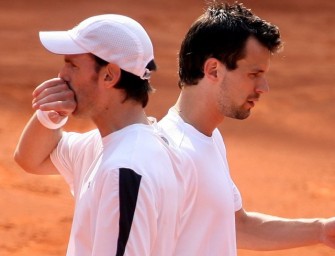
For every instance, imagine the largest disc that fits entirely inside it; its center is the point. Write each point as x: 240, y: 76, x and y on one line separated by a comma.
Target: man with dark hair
x: 121, y: 174
x: 223, y: 61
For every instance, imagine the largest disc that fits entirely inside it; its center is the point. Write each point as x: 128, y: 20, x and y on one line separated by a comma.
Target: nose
x: 262, y: 86
x: 63, y: 74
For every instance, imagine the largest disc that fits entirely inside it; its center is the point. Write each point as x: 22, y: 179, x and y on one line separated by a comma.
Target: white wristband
x: 44, y: 119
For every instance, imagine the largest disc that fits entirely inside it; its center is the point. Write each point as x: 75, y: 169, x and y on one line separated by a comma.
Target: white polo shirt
x: 125, y: 190
x: 210, y: 227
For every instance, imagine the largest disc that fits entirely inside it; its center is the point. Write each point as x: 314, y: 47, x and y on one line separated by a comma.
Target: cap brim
x: 60, y: 42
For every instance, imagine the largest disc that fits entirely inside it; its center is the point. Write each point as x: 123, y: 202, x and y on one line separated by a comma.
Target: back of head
x: 221, y: 32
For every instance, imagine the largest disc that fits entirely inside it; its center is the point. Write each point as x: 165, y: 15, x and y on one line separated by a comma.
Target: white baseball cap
x: 114, y: 38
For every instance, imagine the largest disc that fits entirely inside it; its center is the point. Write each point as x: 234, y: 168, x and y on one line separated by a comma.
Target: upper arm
x: 45, y: 168
x: 240, y: 217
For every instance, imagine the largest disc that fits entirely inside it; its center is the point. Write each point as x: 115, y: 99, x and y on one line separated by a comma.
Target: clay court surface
x: 282, y: 158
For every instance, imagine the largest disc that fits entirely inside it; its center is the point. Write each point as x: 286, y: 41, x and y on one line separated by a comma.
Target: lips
x: 252, y: 100
x: 251, y: 103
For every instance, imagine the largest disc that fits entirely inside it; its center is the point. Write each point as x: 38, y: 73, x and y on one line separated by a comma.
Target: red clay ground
x: 282, y: 157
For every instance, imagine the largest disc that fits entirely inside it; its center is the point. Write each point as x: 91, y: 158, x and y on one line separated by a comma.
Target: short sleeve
x: 237, y: 198
x: 74, y: 155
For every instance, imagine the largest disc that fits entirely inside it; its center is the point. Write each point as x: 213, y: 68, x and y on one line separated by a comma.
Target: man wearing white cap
x: 121, y: 174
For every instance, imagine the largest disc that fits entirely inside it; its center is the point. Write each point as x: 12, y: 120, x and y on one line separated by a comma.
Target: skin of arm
x: 261, y: 232
x: 37, y: 142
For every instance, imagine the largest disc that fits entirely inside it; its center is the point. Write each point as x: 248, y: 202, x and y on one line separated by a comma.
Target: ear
x: 213, y: 69
x: 113, y: 75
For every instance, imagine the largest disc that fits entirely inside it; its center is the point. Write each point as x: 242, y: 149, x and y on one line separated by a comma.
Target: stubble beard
x: 238, y: 113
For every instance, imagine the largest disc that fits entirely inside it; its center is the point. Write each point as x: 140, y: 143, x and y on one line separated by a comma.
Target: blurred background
x: 282, y: 157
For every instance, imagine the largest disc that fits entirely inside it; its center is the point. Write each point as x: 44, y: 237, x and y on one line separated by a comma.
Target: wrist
x: 322, y: 230
x: 44, y: 119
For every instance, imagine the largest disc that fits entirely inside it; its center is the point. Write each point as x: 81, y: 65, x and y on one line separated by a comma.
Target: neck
x: 115, y: 120
x: 196, y: 111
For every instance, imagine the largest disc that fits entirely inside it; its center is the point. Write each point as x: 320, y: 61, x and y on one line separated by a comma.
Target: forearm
x: 257, y: 231
x: 37, y: 141
x: 34, y: 147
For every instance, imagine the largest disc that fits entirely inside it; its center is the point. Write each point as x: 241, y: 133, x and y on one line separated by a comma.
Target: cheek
x: 85, y: 80
x: 83, y: 88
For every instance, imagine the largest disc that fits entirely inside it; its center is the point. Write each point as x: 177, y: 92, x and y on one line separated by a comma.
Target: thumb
x: 55, y: 117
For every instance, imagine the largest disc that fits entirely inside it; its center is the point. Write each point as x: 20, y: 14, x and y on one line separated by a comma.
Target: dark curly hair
x: 221, y: 32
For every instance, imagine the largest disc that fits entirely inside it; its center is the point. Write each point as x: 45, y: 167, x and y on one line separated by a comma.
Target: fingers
x: 59, y: 93
x: 63, y: 108
x: 47, y: 84
x: 55, y: 95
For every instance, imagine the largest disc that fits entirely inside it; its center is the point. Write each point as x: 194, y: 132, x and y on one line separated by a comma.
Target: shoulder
x: 138, y: 147
x: 218, y: 139
x: 75, y: 136
x: 171, y: 127
x: 73, y: 141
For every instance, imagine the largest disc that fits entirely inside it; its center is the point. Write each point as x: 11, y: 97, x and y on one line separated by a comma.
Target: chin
x: 242, y: 115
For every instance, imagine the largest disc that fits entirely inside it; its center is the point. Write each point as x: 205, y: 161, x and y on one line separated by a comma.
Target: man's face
x: 80, y: 74
x: 241, y: 88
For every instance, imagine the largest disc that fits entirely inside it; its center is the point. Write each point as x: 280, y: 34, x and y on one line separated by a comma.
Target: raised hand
x: 56, y: 96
